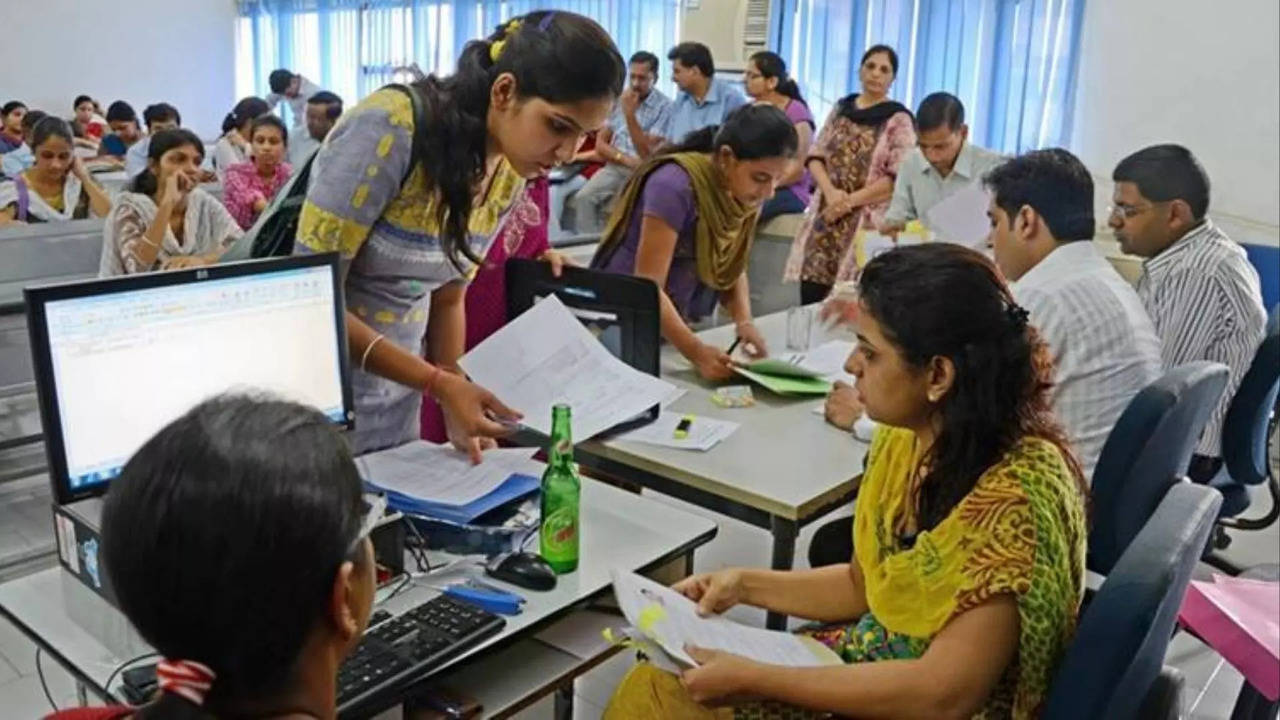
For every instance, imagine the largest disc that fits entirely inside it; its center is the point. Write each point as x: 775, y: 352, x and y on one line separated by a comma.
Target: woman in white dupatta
x: 165, y: 221
x: 57, y: 187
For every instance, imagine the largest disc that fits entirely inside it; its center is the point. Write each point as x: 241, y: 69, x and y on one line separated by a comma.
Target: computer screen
x: 116, y: 361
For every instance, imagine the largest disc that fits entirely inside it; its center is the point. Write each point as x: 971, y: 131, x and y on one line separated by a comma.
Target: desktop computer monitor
x: 116, y: 360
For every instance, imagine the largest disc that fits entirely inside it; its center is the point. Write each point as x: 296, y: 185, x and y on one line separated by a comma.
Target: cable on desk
x: 43, y: 685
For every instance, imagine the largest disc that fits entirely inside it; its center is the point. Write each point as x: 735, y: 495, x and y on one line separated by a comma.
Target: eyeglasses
x: 373, y: 512
x: 1127, y: 211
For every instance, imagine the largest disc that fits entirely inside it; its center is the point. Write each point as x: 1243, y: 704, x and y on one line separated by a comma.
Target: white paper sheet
x: 545, y: 357
x: 704, y: 432
x: 962, y: 218
x: 675, y: 624
x: 442, y: 474
x: 873, y: 244
x: 827, y: 360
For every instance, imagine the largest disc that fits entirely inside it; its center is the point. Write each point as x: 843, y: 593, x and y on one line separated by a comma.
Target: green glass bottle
x: 561, y: 491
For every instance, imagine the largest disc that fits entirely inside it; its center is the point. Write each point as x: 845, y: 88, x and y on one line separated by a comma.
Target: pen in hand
x: 734, y: 346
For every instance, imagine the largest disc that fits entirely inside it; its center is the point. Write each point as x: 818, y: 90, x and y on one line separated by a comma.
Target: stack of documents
x: 438, y: 481
x: 545, y: 357
x: 703, y: 433
x: 664, y: 622
x: 800, y: 373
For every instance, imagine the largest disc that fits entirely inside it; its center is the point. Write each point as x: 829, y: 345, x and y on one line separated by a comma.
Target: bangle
x: 431, y: 379
x: 368, y: 349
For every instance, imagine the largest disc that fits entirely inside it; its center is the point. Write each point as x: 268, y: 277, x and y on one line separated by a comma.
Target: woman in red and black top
x: 254, y: 616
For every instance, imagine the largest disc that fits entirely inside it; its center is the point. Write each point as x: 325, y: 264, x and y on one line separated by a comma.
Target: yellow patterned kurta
x: 389, y: 237
x: 1020, y: 531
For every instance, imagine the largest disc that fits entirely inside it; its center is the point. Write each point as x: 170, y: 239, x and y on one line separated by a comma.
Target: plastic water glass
x: 799, y: 328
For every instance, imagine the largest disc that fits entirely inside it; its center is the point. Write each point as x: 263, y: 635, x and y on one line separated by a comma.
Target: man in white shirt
x: 943, y: 163
x: 1197, y: 284
x: 323, y: 110
x: 1104, y: 346
x: 295, y: 90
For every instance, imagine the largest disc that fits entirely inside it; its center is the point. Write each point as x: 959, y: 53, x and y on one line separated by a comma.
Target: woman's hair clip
x: 497, y: 46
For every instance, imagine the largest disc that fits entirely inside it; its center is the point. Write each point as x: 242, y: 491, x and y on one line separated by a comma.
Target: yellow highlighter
x: 682, y: 429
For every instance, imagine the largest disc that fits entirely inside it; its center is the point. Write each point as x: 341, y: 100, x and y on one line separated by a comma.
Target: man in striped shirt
x: 1197, y: 284
x: 1104, y: 347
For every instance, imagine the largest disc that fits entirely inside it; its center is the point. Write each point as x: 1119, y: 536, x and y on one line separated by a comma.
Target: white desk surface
x: 784, y: 459
x: 619, y: 530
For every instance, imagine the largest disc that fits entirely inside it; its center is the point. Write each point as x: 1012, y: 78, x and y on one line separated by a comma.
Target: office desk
x: 91, y: 639
x: 781, y: 469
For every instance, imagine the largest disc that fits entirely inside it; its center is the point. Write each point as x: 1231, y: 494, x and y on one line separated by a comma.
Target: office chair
x: 1146, y: 453
x: 1250, y: 421
x: 1113, y: 668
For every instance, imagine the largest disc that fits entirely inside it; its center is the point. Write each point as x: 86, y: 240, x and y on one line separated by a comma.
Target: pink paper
x: 1239, y: 618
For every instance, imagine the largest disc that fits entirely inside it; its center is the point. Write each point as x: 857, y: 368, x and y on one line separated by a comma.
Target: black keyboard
x: 399, y: 649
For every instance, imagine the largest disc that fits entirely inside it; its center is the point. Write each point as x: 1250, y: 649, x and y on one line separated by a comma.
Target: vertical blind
x: 354, y: 47
x: 1011, y: 62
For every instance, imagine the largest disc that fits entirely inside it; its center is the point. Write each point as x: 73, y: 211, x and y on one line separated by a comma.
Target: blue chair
x: 1249, y: 421
x: 1146, y: 453
x: 1113, y: 668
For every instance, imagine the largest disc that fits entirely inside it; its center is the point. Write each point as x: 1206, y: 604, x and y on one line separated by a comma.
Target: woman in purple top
x: 766, y: 81
x: 685, y: 220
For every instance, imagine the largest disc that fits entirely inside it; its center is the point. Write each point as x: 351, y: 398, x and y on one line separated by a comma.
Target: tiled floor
x: 1211, y: 685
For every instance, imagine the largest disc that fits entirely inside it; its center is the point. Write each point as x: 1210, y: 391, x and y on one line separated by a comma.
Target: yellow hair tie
x: 496, y: 47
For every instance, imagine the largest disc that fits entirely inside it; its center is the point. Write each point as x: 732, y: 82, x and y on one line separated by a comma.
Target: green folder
x: 780, y: 368
x: 787, y: 385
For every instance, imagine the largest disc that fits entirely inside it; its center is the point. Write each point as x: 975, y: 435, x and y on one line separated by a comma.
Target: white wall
x: 141, y: 51
x: 716, y: 24
x: 1202, y: 74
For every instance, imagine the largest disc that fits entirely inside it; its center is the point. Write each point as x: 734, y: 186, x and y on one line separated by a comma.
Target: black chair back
x: 1146, y: 453
x: 1112, y: 665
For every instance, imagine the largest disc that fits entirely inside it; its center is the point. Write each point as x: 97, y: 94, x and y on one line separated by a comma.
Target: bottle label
x: 560, y: 534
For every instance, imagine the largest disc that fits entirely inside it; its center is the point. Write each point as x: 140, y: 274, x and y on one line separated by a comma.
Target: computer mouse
x: 522, y: 568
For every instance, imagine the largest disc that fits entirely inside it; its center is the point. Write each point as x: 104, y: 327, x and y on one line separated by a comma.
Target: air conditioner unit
x: 733, y: 29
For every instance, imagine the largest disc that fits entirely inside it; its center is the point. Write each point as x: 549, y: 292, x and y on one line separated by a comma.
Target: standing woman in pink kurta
x: 248, y: 187
x: 524, y: 236
x: 854, y: 162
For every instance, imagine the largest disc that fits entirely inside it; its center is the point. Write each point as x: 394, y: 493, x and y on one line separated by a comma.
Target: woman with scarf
x: 854, y: 162
x: 685, y: 220
x: 57, y: 187
x: 969, y: 537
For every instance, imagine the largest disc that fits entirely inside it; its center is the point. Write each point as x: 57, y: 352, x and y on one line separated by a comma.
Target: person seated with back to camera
x: 270, y: 644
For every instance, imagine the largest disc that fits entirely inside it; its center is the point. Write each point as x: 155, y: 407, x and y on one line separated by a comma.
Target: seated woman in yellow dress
x: 969, y: 532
